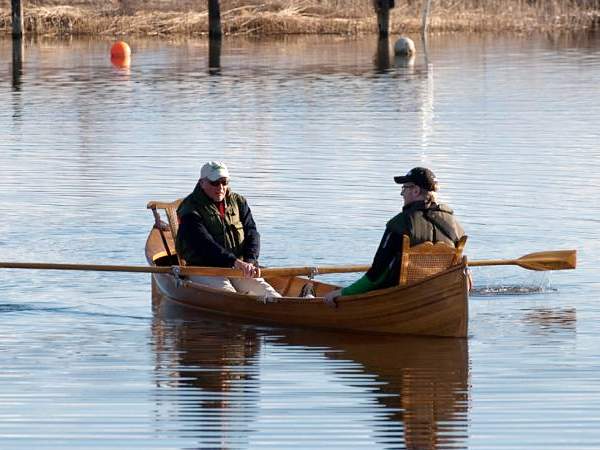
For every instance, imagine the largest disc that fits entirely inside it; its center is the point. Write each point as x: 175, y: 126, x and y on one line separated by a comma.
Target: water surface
x: 313, y: 130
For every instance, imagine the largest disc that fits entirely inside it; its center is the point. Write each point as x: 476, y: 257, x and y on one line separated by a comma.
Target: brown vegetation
x: 264, y: 17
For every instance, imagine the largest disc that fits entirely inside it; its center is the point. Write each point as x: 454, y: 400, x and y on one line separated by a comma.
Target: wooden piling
x: 214, y: 56
x: 17, y: 18
x: 382, y: 56
x: 383, y: 16
x: 214, y: 19
x: 425, y: 23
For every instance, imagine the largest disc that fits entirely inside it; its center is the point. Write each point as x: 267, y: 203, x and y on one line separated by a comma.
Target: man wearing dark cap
x: 422, y: 219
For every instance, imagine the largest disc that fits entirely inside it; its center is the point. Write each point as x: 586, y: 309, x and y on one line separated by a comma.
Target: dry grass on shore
x: 268, y: 17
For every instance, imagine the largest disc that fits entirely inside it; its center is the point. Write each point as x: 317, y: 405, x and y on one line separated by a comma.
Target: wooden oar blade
x: 551, y: 260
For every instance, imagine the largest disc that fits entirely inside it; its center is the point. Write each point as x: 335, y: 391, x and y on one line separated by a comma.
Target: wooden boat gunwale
x: 434, y: 306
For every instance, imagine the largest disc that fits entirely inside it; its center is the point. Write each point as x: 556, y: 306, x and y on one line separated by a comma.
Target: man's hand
x: 330, y: 298
x: 249, y: 270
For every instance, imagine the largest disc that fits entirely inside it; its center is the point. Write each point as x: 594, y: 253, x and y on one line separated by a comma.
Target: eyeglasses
x: 219, y: 182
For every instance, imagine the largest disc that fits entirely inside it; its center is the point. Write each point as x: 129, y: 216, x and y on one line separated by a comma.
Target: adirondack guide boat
x: 431, y: 298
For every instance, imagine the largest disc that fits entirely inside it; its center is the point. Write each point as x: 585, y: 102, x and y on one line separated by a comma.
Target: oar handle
x: 493, y: 262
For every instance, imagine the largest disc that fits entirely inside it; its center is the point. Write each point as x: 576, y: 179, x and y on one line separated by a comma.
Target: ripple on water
x: 313, y: 130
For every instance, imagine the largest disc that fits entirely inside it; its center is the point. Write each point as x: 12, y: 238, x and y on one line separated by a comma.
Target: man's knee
x: 214, y: 282
x: 254, y: 286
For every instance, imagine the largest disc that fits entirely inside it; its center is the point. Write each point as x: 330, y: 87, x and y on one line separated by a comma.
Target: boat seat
x: 426, y: 259
x: 170, y: 209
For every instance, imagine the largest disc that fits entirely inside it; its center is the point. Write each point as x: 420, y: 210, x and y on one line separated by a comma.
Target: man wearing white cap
x: 216, y: 229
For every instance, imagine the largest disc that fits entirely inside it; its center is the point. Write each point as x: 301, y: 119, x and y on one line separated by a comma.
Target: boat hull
x: 437, y: 306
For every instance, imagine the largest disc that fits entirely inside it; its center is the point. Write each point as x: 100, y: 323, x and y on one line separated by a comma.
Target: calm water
x: 313, y: 131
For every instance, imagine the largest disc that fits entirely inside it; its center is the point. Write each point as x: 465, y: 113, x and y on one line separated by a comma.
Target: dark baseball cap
x: 422, y: 177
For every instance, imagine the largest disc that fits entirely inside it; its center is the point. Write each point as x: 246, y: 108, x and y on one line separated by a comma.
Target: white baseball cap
x: 214, y: 170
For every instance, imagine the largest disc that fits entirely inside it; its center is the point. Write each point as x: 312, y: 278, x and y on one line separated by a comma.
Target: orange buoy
x: 120, y: 50
x: 121, y: 63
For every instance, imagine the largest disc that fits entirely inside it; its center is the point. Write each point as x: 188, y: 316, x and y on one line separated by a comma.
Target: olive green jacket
x: 421, y: 222
x: 204, y: 238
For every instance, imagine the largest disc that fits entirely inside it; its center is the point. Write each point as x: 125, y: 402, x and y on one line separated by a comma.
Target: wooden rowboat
x: 434, y: 306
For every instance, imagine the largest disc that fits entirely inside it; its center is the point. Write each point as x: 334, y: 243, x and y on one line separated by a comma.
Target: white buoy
x: 404, y: 46
x: 404, y: 62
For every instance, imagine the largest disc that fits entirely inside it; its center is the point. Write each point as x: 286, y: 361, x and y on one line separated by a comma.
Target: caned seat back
x: 427, y: 259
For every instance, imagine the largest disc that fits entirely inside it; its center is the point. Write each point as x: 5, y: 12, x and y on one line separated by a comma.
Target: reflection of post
x: 17, y: 62
x: 214, y: 19
x: 17, y: 18
x: 382, y: 58
x: 214, y: 56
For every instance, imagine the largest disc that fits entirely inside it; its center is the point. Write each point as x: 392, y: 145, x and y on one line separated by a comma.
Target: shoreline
x: 254, y: 21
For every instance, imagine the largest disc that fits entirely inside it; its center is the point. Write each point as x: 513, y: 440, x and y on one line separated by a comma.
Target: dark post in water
x: 214, y: 19
x: 17, y: 18
x: 383, y: 16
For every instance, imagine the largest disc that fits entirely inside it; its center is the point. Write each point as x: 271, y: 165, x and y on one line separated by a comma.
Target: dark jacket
x: 206, y: 239
x: 422, y: 222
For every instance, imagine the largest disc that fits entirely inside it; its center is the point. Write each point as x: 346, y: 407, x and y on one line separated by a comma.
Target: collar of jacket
x: 418, y: 205
x: 422, y: 205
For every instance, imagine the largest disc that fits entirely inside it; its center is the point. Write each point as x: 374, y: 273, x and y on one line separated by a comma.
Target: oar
x: 550, y: 260
x: 185, y: 270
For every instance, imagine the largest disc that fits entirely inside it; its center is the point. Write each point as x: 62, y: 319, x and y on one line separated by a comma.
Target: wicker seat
x: 426, y: 259
x: 170, y: 210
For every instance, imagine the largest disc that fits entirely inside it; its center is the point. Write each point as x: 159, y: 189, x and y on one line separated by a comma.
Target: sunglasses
x: 219, y: 182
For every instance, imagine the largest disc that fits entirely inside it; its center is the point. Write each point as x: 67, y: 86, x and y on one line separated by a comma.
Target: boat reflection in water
x: 224, y: 384
x: 541, y: 321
